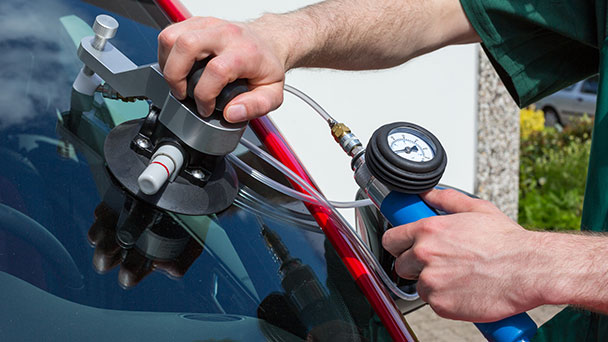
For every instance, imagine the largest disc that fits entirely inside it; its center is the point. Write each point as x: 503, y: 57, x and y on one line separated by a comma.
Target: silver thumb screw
x: 105, y: 27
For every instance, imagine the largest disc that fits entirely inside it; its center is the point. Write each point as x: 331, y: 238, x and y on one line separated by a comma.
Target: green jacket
x: 537, y: 48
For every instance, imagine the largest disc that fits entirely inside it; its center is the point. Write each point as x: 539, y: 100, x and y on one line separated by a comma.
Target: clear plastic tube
x: 370, y: 258
x: 285, y: 170
x: 352, y: 204
x: 367, y: 254
x: 289, y: 191
x: 269, y: 181
x: 312, y: 103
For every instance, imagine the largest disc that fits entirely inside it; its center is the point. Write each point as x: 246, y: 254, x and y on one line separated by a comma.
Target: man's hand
x: 473, y: 265
x: 236, y: 51
x: 339, y: 34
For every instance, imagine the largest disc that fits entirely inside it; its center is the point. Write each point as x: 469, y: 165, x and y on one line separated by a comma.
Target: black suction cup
x: 179, y: 196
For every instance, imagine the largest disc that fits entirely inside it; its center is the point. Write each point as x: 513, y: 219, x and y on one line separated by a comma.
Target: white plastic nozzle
x: 86, y: 84
x: 164, y: 163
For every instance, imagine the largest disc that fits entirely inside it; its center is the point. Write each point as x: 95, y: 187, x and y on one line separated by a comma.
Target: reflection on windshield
x: 35, y: 58
x: 76, y: 249
x: 139, y: 240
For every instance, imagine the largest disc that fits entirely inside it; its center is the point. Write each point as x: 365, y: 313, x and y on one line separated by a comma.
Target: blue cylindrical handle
x: 399, y: 209
x: 517, y: 328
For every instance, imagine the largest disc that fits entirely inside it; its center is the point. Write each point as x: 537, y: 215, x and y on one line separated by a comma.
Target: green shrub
x: 553, y: 168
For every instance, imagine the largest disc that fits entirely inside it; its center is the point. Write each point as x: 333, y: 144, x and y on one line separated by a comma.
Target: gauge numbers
x: 407, y: 145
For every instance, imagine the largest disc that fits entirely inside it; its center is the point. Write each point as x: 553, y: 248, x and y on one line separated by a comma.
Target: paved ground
x: 429, y: 327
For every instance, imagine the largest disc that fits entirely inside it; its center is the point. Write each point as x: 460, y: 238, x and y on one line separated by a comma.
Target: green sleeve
x: 537, y: 47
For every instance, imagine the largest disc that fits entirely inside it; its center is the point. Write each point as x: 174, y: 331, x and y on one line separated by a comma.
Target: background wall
x: 437, y: 91
x: 497, y: 178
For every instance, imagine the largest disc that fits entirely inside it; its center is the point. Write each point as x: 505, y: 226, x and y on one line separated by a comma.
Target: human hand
x: 474, y: 264
x: 237, y: 51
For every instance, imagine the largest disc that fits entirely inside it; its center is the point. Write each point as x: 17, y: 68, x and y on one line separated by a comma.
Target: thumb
x: 452, y: 201
x: 255, y: 103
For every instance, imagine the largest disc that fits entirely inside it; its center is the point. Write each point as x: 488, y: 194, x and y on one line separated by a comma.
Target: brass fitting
x: 347, y: 140
x: 339, y: 130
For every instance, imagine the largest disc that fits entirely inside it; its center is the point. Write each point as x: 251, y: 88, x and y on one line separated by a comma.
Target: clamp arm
x: 211, y: 135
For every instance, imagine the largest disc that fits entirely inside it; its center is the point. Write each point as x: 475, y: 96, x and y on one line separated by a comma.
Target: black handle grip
x: 226, y: 95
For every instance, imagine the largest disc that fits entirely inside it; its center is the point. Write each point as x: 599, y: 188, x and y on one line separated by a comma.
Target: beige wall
x: 497, y: 174
x: 437, y: 91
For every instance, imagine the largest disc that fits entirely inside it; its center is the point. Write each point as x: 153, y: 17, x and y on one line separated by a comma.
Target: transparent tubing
x: 312, y: 103
x: 255, y: 174
x: 289, y: 191
x: 370, y: 258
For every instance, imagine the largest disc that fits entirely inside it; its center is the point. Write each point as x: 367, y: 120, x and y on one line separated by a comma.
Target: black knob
x: 229, y: 92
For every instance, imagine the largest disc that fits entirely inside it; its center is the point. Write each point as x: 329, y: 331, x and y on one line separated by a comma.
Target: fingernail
x: 178, y: 95
x: 201, y: 111
x: 236, y: 113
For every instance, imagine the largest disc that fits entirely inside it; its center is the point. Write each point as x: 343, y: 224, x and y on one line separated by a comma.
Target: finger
x: 102, y: 210
x: 105, y: 221
x: 255, y: 103
x: 422, y: 287
x: 133, y: 269
x: 103, y: 260
x: 398, y: 239
x: 96, y: 233
x: 218, y: 72
x: 188, y: 48
x: 452, y: 201
x: 407, y: 265
x: 178, y: 267
x: 107, y: 252
x: 168, y: 36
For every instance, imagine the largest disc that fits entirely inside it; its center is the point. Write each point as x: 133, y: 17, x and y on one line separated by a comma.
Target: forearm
x: 341, y: 34
x: 364, y: 34
x: 573, y: 269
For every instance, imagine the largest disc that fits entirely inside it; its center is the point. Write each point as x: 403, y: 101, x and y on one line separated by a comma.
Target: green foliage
x: 553, y: 168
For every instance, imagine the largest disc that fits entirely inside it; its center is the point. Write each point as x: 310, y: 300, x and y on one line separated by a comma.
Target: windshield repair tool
x: 403, y: 160
x: 173, y: 158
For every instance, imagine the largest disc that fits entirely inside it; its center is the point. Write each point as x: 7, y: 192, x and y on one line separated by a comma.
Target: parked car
x: 571, y: 102
x: 81, y: 259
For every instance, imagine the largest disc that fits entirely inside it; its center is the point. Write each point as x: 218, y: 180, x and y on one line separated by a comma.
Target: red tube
x: 175, y: 10
x: 345, y: 244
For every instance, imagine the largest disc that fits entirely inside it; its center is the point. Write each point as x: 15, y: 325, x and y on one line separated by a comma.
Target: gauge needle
x: 408, y: 149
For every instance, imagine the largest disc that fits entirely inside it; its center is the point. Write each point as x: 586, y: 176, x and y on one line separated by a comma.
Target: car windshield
x: 81, y: 259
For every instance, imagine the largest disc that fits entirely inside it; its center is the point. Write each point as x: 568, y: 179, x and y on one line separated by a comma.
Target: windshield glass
x: 81, y: 259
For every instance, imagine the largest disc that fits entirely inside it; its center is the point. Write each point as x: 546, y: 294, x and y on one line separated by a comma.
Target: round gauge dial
x: 410, y: 145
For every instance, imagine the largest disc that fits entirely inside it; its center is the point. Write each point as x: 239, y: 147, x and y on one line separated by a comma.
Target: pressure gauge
x: 407, y: 144
x: 405, y: 157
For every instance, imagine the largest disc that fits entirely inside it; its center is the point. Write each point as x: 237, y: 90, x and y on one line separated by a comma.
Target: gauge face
x: 410, y: 145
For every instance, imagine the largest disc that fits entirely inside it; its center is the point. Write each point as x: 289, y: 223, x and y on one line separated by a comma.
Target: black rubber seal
x: 400, y: 174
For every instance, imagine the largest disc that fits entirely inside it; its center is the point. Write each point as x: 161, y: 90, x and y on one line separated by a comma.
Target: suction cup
x: 179, y: 196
